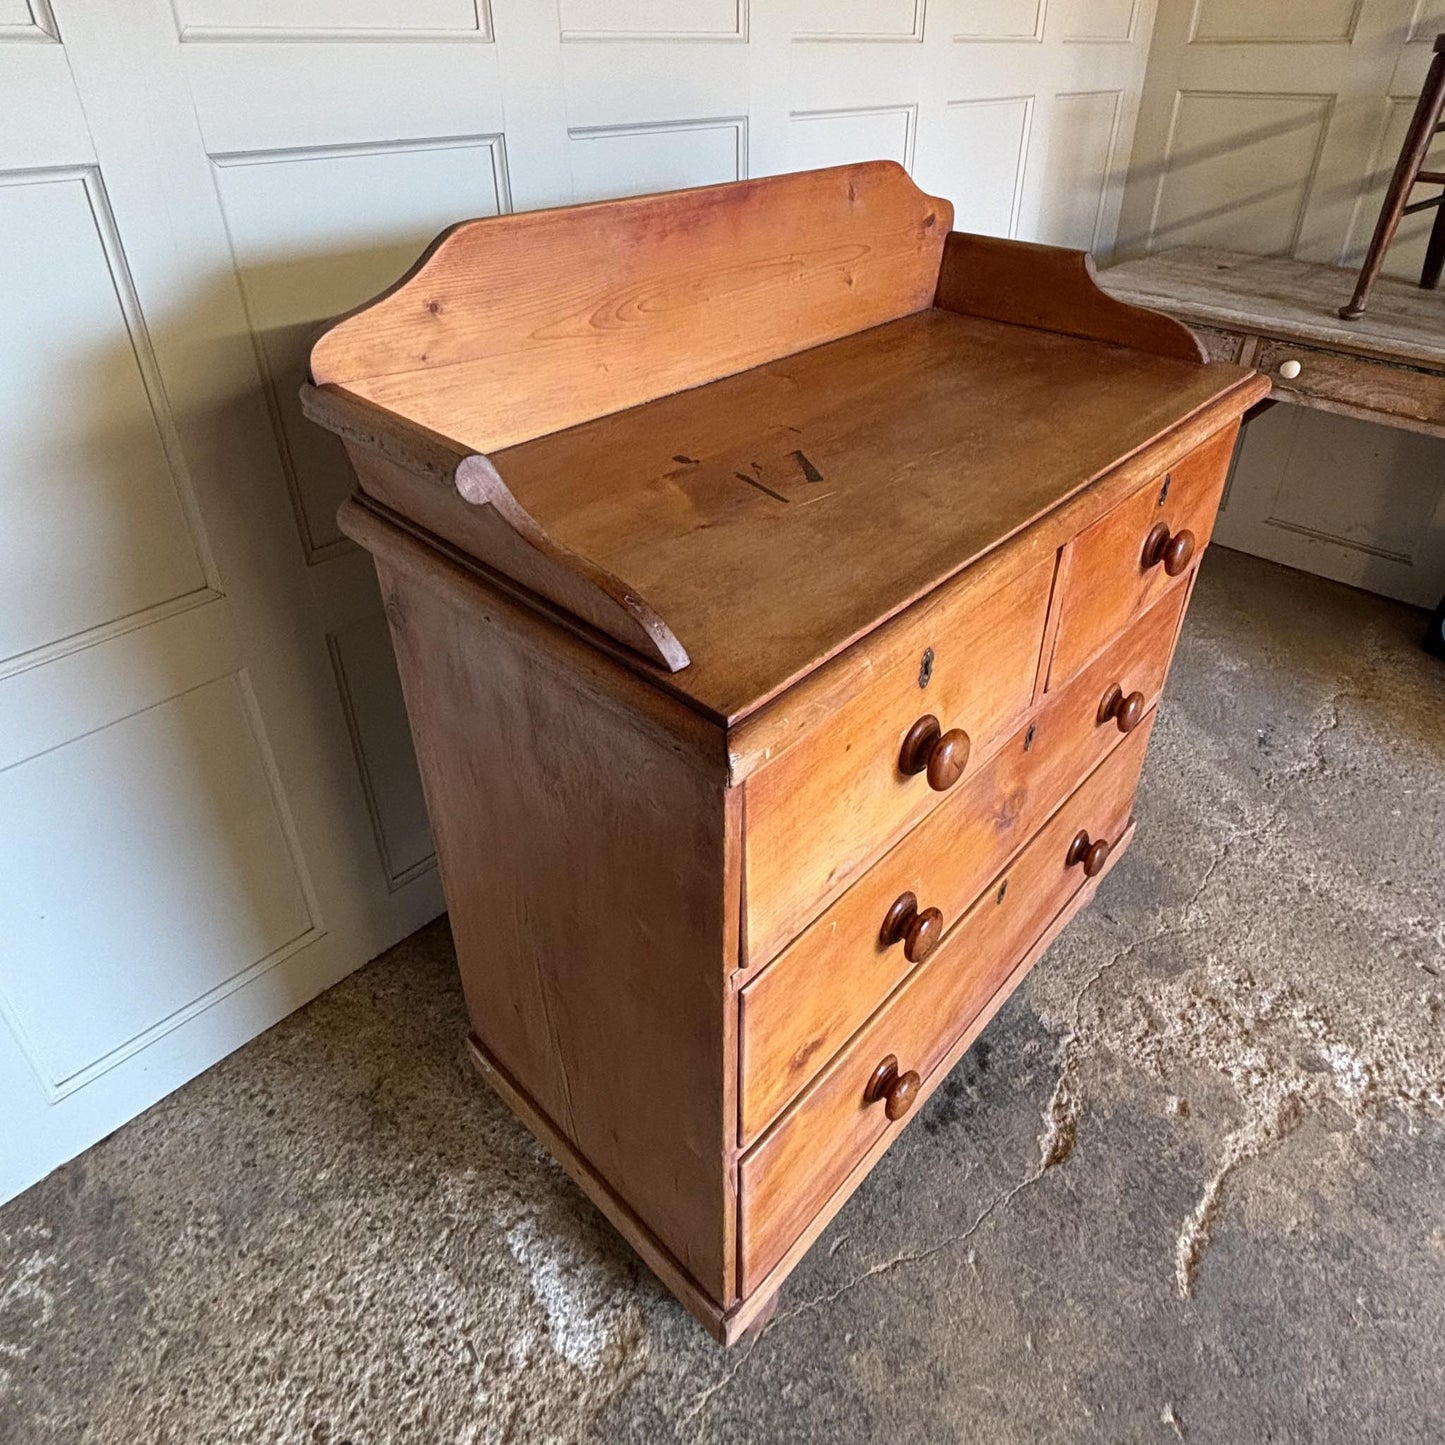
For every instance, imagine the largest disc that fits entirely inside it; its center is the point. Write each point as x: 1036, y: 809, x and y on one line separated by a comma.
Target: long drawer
x: 1357, y: 382
x: 791, y: 1173
x: 1114, y: 569
x: 940, y: 699
x: 807, y: 1003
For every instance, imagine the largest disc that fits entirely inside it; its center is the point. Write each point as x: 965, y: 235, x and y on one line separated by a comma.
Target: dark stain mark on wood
x: 810, y: 472
x: 686, y: 461
x: 762, y: 487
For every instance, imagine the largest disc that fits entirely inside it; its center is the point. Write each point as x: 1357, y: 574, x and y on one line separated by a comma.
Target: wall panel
x: 1079, y: 168
x: 369, y: 211
x: 1095, y: 20
x: 1272, y: 126
x: 27, y: 20
x: 833, y: 137
x: 653, y: 19
x: 370, y: 689
x: 988, y: 145
x: 630, y: 159
x: 201, y: 20
x: 94, y: 490
x: 1238, y: 163
x: 1266, y: 22
x: 1003, y: 20
x: 171, y: 875
x: 858, y: 19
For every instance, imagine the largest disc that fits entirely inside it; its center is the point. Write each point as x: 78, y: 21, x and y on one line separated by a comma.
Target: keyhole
x: 925, y: 668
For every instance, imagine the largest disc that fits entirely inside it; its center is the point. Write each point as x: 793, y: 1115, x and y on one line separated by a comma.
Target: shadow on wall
x: 289, y: 302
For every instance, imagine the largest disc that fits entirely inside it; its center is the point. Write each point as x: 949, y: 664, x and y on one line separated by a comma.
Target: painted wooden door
x: 208, y: 805
x: 1271, y: 126
x: 207, y: 808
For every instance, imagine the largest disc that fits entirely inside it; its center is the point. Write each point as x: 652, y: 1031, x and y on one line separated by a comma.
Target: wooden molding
x: 389, y: 452
x: 706, y: 1311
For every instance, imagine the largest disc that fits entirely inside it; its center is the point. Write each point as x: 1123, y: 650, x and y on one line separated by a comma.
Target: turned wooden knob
x: 1093, y: 854
x: 898, y: 1091
x: 943, y: 755
x: 918, y: 932
x: 1173, y: 550
x: 1127, y: 710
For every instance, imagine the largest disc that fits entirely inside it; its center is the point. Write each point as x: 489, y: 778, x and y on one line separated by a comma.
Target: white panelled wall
x: 1273, y: 126
x: 209, y: 809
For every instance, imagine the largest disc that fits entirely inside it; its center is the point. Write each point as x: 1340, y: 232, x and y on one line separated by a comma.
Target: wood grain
x: 520, y: 325
x: 766, y: 734
x: 798, y: 1011
x: 1103, y: 581
x: 1358, y: 386
x: 1055, y: 290
x: 585, y: 867
x: 821, y: 813
x: 555, y: 645
x: 1220, y: 345
x: 788, y: 1177
x: 764, y: 1295
x: 702, y: 503
x: 631, y: 1226
x: 409, y: 468
x: 688, y: 511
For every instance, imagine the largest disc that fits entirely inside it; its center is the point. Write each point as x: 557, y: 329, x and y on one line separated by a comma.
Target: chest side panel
x: 585, y: 860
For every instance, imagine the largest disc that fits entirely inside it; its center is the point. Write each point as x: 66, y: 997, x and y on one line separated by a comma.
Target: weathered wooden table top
x: 1293, y: 300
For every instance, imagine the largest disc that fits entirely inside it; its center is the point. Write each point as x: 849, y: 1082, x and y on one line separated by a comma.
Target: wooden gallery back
x: 782, y: 587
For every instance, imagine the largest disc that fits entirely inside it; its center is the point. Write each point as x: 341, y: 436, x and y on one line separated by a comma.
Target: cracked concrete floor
x: 1188, y: 1185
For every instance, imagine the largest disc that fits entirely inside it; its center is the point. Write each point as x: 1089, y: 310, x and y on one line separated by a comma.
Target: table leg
x: 1407, y: 168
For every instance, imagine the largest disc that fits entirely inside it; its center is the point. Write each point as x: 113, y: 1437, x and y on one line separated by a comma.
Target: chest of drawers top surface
x: 737, y: 525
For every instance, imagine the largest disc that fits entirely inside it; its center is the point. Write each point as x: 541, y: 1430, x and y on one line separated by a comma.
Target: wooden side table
x: 1282, y: 316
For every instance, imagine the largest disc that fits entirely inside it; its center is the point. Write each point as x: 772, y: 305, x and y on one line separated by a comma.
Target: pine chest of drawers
x: 782, y: 586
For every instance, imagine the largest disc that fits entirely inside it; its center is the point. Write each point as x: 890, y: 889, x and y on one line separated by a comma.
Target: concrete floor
x: 1189, y: 1185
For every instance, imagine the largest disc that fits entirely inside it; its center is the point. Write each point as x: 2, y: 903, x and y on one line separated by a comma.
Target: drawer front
x: 790, y: 1175
x: 1353, y: 381
x: 1108, y: 575
x: 820, y: 814
x: 808, y: 1002
x: 1220, y: 345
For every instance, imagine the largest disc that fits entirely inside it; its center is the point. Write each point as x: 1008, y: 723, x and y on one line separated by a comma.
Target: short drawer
x: 1114, y: 569
x: 796, y: 1168
x: 1220, y: 345
x: 822, y: 812
x: 807, y: 1003
x: 1353, y: 381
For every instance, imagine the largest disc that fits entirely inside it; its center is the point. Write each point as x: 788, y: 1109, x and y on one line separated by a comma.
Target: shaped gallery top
x: 726, y: 431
